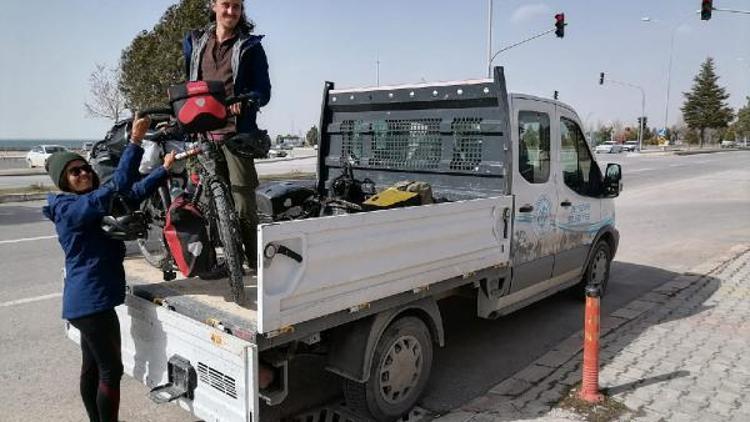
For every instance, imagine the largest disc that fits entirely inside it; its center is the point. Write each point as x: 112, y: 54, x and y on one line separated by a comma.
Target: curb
x: 22, y: 197
x: 22, y: 172
x: 535, y: 373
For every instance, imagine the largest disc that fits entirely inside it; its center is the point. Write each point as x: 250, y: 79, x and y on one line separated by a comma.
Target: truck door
x: 535, y: 194
x: 579, y: 182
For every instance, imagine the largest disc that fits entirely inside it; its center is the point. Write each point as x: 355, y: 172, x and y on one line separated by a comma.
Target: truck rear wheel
x: 399, y: 372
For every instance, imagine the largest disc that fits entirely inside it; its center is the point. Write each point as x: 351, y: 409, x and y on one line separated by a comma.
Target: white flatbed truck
x: 364, y: 287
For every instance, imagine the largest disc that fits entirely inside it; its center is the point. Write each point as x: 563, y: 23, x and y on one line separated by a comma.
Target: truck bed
x: 207, y: 301
x: 346, y: 264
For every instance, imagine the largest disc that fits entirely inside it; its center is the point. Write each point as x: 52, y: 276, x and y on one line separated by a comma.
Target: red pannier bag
x: 199, y: 105
x: 187, y: 238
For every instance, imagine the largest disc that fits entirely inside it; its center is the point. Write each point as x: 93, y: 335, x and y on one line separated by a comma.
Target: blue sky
x: 50, y: 47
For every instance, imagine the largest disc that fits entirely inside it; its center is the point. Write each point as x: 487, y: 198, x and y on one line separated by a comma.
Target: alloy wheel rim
x: 400, y: 369
x: 599, y: 270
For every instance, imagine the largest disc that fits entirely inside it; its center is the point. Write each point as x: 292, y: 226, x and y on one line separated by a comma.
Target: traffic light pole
x: 744, y: 12
x: 643, y: 108
x: 492, y: 58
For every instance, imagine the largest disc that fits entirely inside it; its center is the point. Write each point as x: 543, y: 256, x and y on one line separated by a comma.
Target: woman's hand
x: 140, y: 126
x: 235, y: 109
x: 169, y: 160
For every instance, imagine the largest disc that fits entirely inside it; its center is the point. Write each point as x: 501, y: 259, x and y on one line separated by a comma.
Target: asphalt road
x: 674, y: 213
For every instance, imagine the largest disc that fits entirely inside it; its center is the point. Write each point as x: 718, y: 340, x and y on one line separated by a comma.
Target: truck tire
x: 399, y: 372
x: 229, y: 235
x: 597, y: 271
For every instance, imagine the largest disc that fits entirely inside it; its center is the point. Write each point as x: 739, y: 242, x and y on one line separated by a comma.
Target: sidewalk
x: 678, y: 353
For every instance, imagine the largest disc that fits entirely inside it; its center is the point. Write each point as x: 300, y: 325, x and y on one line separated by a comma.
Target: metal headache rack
x: 420, y: 132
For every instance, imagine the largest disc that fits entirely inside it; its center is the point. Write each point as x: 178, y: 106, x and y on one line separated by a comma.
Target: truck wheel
x: 597, y: 272
x: 399, y: 372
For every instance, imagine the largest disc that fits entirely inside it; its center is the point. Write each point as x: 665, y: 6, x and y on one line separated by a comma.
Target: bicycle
x: 211, y: 194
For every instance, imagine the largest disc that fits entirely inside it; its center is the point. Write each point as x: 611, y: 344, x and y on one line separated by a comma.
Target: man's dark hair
x: 244, y: 26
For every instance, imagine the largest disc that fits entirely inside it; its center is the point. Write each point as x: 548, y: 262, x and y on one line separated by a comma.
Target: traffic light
x: 640, y: 123
x: 556, y: 94
x: 601, y: 78
x: 706, y: 7
x: 560, y: 25
x: 645, y: 122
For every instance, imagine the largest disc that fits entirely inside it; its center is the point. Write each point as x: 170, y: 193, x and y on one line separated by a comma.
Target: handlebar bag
x: 199, y: 105
x: 187, y: 238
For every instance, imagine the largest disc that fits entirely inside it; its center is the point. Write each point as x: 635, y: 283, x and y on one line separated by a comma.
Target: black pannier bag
x: 187, y: 238
x: 199, y: 105
x: 105, y: 154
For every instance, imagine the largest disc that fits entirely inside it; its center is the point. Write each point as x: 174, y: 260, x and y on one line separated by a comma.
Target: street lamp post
x: 673, y: 32
x: 489, y: 38
x: 643, y: 108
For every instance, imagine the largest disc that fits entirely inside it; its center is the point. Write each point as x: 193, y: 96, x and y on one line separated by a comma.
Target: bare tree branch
x: 106, y: 101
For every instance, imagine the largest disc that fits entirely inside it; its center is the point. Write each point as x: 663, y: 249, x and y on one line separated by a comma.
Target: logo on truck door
x: 542, y: 216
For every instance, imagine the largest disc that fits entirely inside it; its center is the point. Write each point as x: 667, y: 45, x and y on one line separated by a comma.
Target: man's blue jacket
x: 249, y: 67
x: 94, y: 274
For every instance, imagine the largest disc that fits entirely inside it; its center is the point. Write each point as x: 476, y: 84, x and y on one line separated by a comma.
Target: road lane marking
x: 637, y: 170
x: 29, y: 300
x: 27, y: 239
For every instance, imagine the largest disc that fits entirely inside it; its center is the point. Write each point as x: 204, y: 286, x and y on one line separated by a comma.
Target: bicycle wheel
x: 229, y: 235
x: 154, y: 247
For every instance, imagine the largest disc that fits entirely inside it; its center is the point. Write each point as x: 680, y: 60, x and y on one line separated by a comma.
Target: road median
x: 39, y: 192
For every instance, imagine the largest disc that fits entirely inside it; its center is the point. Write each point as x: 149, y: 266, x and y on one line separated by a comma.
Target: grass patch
x: 607, y: 410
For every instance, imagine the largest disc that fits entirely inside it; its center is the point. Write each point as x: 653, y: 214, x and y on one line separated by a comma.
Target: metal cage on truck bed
x: 454, y: 136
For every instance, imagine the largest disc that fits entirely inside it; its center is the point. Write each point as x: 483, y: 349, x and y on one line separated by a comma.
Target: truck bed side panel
x: 351, y: 260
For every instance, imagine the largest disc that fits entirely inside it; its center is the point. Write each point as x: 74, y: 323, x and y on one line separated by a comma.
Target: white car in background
x: 631, y: 146
x: 38, y: 155
x: 608, y: 147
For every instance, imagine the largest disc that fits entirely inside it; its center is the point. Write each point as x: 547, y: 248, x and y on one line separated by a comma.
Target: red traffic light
x: 560, y: 25
x: 706, y: 7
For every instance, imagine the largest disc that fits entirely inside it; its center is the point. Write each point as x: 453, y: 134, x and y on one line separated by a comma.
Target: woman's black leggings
x: 101, y: 369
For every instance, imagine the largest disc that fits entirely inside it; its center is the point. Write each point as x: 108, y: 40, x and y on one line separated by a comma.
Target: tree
x: 153, y: 61
x: 107, y: 102
x: 603, y: 134
x: 742, y: 125
x: 705, y: 106
x: 313, y: 136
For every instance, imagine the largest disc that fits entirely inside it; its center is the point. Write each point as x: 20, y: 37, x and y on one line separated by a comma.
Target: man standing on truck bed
x: 226, y: 51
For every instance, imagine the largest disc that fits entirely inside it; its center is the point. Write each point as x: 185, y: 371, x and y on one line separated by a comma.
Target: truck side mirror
x: 613, y: 180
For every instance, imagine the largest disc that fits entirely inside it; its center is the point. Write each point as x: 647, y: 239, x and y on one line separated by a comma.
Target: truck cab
x: 561, y: 208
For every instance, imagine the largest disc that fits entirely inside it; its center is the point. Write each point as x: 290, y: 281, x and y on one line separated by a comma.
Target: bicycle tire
x: 229, y: 236
x: 154, y: 247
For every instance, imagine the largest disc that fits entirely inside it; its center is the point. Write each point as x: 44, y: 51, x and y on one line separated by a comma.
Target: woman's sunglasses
x: 76, y: 171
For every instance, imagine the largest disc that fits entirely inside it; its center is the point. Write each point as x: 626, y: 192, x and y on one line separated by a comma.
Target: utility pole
x: 377, y: 70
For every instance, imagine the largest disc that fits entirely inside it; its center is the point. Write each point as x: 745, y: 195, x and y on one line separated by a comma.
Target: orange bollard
x: 590, y: 385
